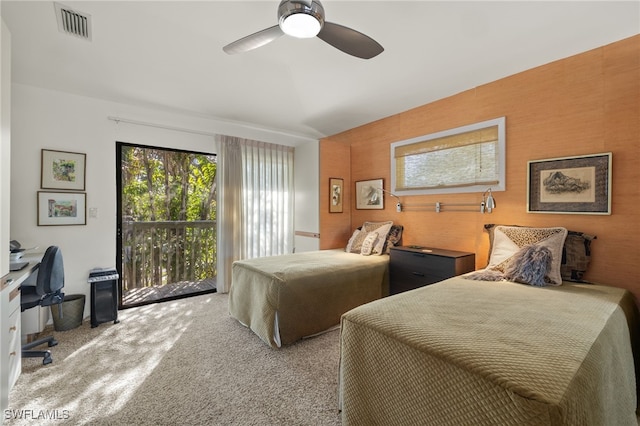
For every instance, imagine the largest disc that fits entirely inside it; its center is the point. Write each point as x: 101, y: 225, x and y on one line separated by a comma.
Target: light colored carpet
x: 180, y: 362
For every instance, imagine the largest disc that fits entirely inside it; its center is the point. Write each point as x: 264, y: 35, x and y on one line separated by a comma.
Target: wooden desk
x: 10, y: 341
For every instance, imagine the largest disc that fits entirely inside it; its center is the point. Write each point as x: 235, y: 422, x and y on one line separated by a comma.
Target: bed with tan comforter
x: 285, y: 298
x: 464, y: 352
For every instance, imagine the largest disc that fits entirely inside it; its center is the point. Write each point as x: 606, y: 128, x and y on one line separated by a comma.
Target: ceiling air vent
x: 73, y: 22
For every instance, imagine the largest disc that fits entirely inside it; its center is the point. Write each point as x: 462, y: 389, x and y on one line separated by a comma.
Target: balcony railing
x: 160, y: 253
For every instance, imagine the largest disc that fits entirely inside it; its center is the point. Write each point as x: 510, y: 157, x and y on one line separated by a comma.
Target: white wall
x: 44, y: 119
x: 5, y: 175
x: 307, y: 201
x: 5, y: 145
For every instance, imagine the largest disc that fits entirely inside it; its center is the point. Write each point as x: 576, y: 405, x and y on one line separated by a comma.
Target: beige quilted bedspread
x: 464, y: 352
x: 285, y: 298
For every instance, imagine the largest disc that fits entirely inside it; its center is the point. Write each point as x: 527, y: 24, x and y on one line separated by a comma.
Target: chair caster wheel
x: 47, y: 359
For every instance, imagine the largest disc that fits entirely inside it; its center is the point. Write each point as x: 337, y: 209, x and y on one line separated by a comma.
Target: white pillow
x: 508, y: 240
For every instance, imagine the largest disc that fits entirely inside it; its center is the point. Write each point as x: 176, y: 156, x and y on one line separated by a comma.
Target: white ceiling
x: 169, y: 55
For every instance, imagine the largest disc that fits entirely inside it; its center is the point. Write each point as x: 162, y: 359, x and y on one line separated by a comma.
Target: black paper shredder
x: 104, y: 295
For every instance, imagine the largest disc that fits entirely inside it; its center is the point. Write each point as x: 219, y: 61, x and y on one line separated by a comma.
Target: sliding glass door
x: 166, y: 241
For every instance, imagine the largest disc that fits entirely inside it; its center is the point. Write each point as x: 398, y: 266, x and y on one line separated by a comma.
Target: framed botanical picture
x: 62, y: 170
x: 336, y: 192
x: 62, y: 208
x: 369, y: 194
x: 570, y: 185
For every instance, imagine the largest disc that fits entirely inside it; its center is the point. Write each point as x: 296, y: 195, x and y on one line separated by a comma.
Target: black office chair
x: 46, y: 292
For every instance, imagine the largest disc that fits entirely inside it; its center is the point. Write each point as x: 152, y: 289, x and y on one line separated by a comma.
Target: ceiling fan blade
x: 350, y: 41
x: 254, y: 40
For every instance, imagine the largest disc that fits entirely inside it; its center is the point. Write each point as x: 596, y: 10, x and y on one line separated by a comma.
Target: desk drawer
x: 14, y: 298
x: 15, y: 347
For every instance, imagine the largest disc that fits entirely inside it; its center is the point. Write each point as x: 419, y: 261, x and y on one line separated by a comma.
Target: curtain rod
x: 160, y: 126
x: 200, y: 132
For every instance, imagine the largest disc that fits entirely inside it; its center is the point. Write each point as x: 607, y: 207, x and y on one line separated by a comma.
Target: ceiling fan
x: 305, y: 19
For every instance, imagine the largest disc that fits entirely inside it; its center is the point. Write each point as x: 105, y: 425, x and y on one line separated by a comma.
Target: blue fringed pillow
x: 530, y: 265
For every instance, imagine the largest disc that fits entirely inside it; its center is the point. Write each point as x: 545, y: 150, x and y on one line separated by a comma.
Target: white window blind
x: 465, y: 159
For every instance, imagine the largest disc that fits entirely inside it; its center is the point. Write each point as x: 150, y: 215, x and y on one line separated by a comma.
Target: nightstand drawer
x: 415, y: 275
x: 405, y: 282
x: 427, y: 264
x: 411, y: 267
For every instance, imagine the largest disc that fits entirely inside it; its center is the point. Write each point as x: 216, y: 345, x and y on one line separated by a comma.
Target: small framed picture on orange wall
x: 369, y: 194
x: 336, y: 195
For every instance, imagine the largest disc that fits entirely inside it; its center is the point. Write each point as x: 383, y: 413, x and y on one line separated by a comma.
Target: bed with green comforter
x: 285, y: 298
x: 463, y: 352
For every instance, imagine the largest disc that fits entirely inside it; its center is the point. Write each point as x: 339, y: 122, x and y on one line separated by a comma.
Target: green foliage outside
x: 161, y: 185
x: 169, y: 213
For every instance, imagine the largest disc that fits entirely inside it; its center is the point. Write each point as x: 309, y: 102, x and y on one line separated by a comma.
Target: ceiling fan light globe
x: 300, y: 25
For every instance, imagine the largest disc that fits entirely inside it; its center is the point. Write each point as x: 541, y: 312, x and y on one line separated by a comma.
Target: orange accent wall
x: 584, y: 104
x: 334, y: 163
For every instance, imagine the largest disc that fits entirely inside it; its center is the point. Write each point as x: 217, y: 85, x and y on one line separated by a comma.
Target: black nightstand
x: 412, y: 267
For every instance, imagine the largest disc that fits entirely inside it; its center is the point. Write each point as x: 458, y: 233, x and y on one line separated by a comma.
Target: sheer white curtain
x: 255, y: 202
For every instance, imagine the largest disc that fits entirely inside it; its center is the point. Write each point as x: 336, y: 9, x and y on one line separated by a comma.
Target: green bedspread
x: 285, y: 298
x: 464, y: 352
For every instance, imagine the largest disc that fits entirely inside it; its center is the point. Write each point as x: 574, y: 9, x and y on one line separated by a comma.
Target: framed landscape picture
x: 570, y: 185
x: 62, y: 208
x: 62, y: 170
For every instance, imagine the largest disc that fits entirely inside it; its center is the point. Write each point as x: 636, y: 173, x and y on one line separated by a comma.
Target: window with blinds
x: 465, y: 159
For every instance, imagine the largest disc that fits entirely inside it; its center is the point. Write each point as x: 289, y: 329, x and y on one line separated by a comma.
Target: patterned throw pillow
x: 576, y: 253
x: 508, y: 240
x: 355, y: 240
x: 382, y: 228
x: 576, y: 256
x: 368, y: 243
x: 394, y: 238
